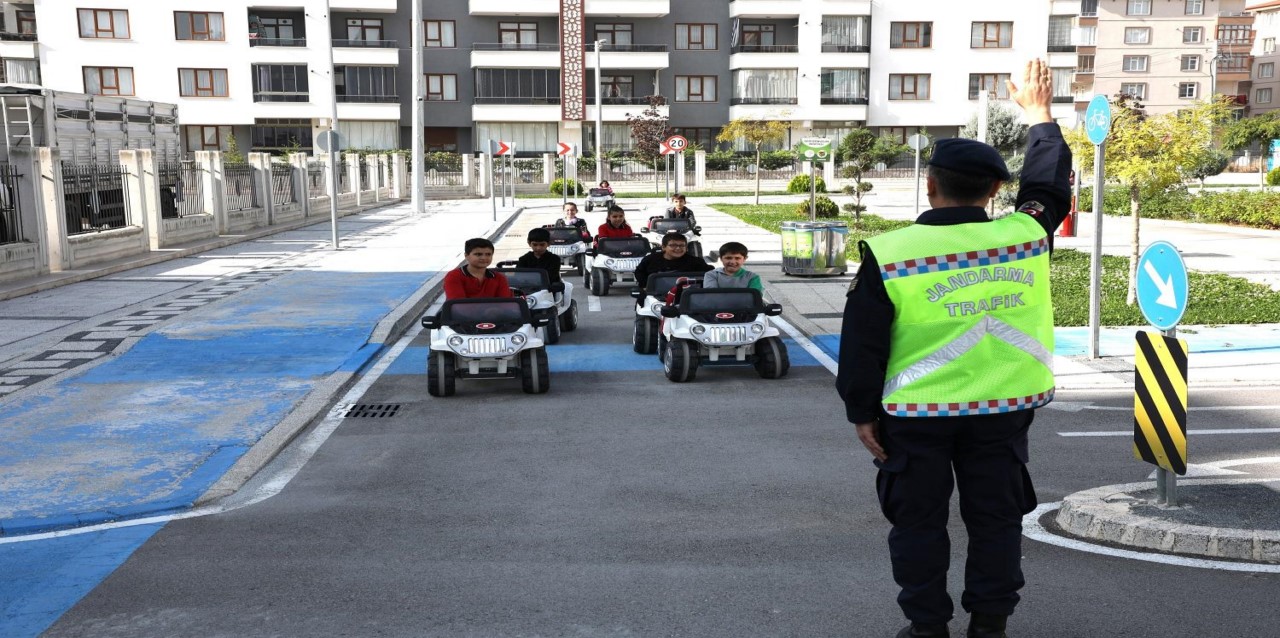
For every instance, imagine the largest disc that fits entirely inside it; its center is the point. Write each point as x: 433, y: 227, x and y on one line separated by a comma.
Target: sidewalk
x: 159, y: 387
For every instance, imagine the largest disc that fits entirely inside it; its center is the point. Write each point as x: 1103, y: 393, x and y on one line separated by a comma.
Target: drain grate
x: 360, y: 410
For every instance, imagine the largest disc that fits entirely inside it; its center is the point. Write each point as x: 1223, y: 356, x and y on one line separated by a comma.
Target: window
x: 992, y: 83
x: 1060, y: 28
x: 1134, y: 89
x: 276, y: 28
x: 1233, y: 63
x: 695, y: 88
x: 1061, y: 79
x: 442, y: 87
x: 369, y: 84
x: 22, y: 71
x: 112, y: 24
x: 1268, y: 45
x: 910, y: 35
x: 1192, y: 35
x: 1139, y: 35
x: 440, y: 35
x: 909, y: 87
x: 1188, y: 90
x: 844, y: 86
x: 615, y: 34
x: 1190, y: 63
x: 1138, y: 8
x: 108, y: 80
x: 704, y: 137
x: 1235, y: 33
x: 280, y: 83
x: 1084, y: 64
x: 205, y: 138
x: 1267, y: 70
x: 1195, y: 8
x: 364, y: 29
x: 279, y: 134
x: 696, y: 37
x: 1135, y: 63
x: 757, y: 36
x: 765, y: 86
x: 517, y: 86
x: 619, y: 88
x: 26, y: 21
x: 518, y: 35
x: 1262, y: 96
x: 195, y: 25
x: 1087, y: 36
x: 898, y: 134
x: 1089, y: 8
x: 202, y: 82
x: 846, y: 34
x: 991, y: 35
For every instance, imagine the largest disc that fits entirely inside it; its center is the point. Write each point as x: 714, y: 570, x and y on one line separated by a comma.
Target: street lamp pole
x: 599, y: 117
x: 333, y: 134
x: 416, y: 167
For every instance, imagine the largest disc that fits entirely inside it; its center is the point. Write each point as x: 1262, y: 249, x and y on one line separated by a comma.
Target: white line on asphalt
x: 1190, y: 432
x: 1075, y: 407
x: 1031, y: 528
x: 593, y: 303
x: 306, y: 447
x: 808, y: 345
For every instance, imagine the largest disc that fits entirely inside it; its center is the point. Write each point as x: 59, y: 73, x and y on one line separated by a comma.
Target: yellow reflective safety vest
x: 973, y: 323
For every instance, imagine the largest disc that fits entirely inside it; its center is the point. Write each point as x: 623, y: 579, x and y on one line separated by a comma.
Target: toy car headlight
x: 656, y: 308
x: 609, y: 263
x: 455, y: 341
x: 757, y: 328
x: 531, y: 300
x: 518, y: 339
x: 699, y: 329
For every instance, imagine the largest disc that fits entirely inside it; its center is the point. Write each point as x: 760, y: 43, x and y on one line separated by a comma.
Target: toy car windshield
x: 565, y: 235
x: 659, y: 283
x: 527, y: 280
x: 624, y: 247
x: 599, y: 192
x: 664, y: 226
x: 697, y: 301
x: 497, y: 312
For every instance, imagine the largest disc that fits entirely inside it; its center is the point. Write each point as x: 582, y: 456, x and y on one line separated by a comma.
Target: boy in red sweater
x: 615, y: 224
x: 474, y: 279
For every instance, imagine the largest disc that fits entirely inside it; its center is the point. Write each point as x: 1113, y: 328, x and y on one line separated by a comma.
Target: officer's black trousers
x: 988, y: 455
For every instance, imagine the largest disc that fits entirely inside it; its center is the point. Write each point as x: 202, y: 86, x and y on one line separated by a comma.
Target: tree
x: 1005, y: 129
x: 756, y: 133
x: 648, y: 130
x: 1208, y: 162
x: 1261, y: 129
x: 232, y: 155
x: 860, y: 150
x: 1147, y: 154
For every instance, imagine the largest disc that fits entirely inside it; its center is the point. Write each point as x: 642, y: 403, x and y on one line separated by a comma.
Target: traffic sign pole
x: 1095, y: 264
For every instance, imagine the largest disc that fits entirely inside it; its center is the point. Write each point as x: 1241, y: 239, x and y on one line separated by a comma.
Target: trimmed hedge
x: 823, y: 208
x: 557, y: 187
x: 800, y: 184
x: 1257, y: 209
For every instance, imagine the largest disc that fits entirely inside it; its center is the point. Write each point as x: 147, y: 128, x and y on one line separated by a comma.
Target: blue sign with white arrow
x: 1097, y: 119
x: 1162, y: 285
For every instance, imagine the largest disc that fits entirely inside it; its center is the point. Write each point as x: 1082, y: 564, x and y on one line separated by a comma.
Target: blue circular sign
x: 1162, y: 285
x: 1097, y: 119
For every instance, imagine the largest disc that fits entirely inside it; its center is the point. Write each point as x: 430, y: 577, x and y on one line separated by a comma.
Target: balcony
x: 765, y: 48
x: 369, y: 99
x: 619, y: 112
x: 1062, y: 48
x: 278, y: 96
x: 846, y: 48
x: 523, y: 111
x: 758, y: 101
x: 526, y: 8
x: 516, y: 56
x: 371, y: 52
x: 785, y: 56
x: 255, y: 41
x: 364, y: 44
x: 18, y: 46
x: 375, y: 6
x: 1064, y: 99
x: 629, y: 56
x: 764, y: 9
x: 628, y: 8
x: 549, y: 99
x: 845, y: 101
x: 620, y: 101
x: 7, y: 36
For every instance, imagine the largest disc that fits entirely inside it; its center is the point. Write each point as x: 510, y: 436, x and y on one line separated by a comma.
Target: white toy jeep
x: 545, y: 299
x: 709, y: 326
x: 614, y: 261
x: 651, y: 299
x: 486, y: 339
x: 661, y: 226
x: 567, y: 244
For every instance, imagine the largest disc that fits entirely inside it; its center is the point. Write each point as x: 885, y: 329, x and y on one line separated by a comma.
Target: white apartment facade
x: 1265, y: 93
x: 19, y: 60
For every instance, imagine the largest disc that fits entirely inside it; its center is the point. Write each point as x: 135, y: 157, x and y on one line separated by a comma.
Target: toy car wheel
x: 580, y: 262
x: 695, y: 249
x: 772, y: 361
x: 535, y: 376
x: 644, y: 339
x: 441, y: 375
x: 588, y: 207
x: 600, y: 281
x: 681, y: 362
x: 662, y: 346
x: 552, y: 331
x: 569, y: 320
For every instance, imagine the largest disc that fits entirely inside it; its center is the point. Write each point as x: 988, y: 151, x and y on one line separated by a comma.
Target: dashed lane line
x: 593, y: 303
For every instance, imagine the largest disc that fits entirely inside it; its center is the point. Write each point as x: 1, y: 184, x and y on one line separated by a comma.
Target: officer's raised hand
x: 1036, y: 93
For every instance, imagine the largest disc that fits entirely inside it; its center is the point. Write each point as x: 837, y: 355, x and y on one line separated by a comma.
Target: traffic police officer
x: 945, y: 351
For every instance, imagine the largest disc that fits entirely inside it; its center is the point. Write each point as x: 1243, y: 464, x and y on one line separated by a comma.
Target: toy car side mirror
x: 431, y: 322
x: 670, y: 312
x: 773, y: 309
x: 697, y: 230
x: 556, y: 286
x: 508, y: 264
x: 637, y: 293
x: 645, y: 230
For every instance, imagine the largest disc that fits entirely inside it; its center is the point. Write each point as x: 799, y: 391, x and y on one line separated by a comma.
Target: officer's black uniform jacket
x: 1044, y: 193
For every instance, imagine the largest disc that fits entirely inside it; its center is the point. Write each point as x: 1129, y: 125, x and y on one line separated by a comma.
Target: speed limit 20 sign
x: 674, y: 144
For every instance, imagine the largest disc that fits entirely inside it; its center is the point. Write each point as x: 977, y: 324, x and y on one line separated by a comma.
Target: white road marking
x: 822, y: 357
x: 1189, y: 432
x: 593, y: 303
x: 1076, y: 406
x: 1032, y: 529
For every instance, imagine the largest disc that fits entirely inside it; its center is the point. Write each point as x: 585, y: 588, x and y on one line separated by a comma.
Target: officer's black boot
x: 987, y: 626
x: 920, y: 630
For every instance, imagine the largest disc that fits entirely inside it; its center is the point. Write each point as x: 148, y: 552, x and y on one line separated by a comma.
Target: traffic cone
x: 1068, y: 227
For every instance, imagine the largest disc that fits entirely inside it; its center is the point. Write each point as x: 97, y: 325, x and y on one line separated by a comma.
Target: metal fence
x: 901, y: 167
x: 240, y: 189
x: 10, y: 211
x: 442, y: 169
x: 628, y: 169
x: 521, y: 171
x: 744, y: 168
x: 94, y: 196
x: 181, y: 189
x: 282, y: 184
x: 364, y: 174
x: 317, y: 180
x: 344, y: 177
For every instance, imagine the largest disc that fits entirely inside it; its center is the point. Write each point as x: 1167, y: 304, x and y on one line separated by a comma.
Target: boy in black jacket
x: 538, y: 255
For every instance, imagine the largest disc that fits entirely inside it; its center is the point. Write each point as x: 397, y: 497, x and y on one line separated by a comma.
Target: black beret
x: 970, y: 157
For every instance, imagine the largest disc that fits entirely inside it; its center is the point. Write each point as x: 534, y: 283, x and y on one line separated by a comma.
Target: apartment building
x: 1167, y: 53
x: 1265, y: 93
x: 258, y: 72
x: 19, y: 62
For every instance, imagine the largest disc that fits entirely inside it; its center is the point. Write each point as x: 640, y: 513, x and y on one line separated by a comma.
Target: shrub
x: 800, y: 184
x: 557, y: 186
x: 1173, y: 203
x: 720, y: 160
x: 1273, y: 177
x: 824, y: 208
x: 773, y: 160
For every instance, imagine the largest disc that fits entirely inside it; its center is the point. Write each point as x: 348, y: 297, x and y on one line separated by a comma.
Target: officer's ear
x: 930, y: 186
x: 995, y: 189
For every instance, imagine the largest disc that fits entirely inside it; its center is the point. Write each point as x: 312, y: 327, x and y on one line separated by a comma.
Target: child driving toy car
x: 474, y: 279
x: 731, y: 274
x: 615, y: 225
x: 538, y: 255
x: 571, y: 219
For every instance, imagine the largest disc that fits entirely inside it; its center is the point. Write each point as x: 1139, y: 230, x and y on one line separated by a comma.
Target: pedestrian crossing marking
x: 1160, y: 401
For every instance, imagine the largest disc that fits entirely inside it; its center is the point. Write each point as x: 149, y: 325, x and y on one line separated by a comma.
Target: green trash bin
x: 814, y: 248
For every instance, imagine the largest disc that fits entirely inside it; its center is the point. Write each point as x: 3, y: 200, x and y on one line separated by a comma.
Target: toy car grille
x: 626, y: 264
x: 486, y: 345
x: 727, y: 334
x: 563, y: 251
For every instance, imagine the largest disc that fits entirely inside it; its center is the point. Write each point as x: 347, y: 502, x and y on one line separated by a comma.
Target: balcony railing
x: 1062, y: 48
x: 641, y: 100
x: 369, y: 99
x: 277, y: 42
x: 1063, y: 99
x: 826, y: 99
x: 514, y: 46
x: 737, y: 101
x: 846, y: 48
x: 365, y: 44
x: 627, y: 48
x: 1088, y: 71
x: 518, y: 100
x: 17, y: 37
x: 260, y: 96
x: 766, y: 48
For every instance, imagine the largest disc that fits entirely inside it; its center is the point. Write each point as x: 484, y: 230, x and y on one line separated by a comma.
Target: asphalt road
x: 620, y: 504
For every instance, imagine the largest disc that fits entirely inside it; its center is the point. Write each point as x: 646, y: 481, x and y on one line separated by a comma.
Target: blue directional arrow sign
x: 1097, y: 119
x: 1162, y: 285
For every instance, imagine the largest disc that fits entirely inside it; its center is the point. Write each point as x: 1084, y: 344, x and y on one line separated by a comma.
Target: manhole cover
x: 361, y: 410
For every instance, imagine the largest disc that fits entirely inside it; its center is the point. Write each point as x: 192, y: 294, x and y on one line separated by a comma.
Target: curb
x: 1104, y: 514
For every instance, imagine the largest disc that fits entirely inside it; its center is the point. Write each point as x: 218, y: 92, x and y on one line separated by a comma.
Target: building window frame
x: 359, y: 29
x: 121, y: 80
x: 204, y: 82
x: 188, y: 18
x: 1267, y: 70
x: 910, y: 35
x: 1138, y: 36
x: 1136, y: 90
x: 707, y: 36
x: 697, y: 89
x: 298, y: 80
x: 982, y: 36
x: 758, y: 35
x: 618, y: 86
x: 1194, y: 8
x: 1135, y: 63
x: 26, y: 21
x: 1138, y: 8
x: 96, y: 31
x: 907, y: 87
x: 1082, y: 66
x: 1234, y: 33
x: 440, y: 86
x: 523, y: 33
x: 1192, y: 35
x: 991, y: 82
x: 1268, y: 45
x: 616, y: 33
x: 1262, y: 95
x: 1189, y: 63
x: 1188, y: 90
x: 444, y: 38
